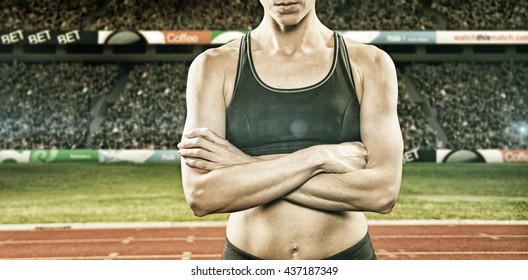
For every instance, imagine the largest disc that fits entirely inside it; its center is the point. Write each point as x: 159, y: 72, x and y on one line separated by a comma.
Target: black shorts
x: 362, y: 250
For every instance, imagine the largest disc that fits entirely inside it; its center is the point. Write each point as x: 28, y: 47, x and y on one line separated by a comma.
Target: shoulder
x: 376, y: 73
x: 213, y: 73
x: 219, y: 59
x: 369, y: 58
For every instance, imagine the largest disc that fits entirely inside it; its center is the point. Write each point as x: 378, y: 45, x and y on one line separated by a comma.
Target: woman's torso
x: 278, y: 107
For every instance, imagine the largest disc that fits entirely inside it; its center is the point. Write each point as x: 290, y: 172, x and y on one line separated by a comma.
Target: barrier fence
x: 207, y: 37
x: 171, y: 156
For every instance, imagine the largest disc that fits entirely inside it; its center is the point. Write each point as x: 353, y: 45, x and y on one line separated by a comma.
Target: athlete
x: 293, y: 130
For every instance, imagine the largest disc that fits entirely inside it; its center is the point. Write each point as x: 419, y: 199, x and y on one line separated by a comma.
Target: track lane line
x: 202, y: 224
x: 127, y: 240
x: 192, y: 238
x: 494, y: 237
x: 112, y: 256
x: 120, y: 257
x: 455, y: 253
x: 110, y: 240
x: 477, y: 236
x: 189, y: 255
x: 186, y: 255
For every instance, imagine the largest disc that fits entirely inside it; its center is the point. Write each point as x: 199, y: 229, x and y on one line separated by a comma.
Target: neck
x: 309, y: 32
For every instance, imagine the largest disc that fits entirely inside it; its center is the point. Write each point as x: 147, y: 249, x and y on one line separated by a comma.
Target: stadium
x: 92, y: 106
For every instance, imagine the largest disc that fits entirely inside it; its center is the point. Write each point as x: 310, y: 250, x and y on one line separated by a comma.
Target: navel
x: 295, y: 251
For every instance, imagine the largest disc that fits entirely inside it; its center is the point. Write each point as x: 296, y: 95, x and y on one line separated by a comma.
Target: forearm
x: 218, y: 177
x: 247, y: 185
x: 360, y: 190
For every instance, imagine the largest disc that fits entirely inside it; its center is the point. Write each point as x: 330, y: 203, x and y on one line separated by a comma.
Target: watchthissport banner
x: 482, y: 37
x: 217, y: 37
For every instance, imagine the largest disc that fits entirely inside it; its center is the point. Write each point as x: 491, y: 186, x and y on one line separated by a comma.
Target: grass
x: 51, y: 193
x: 68, y: 193
x: 462, y: 191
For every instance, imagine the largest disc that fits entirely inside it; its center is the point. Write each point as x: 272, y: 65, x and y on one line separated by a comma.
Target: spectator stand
x: 465, y: 95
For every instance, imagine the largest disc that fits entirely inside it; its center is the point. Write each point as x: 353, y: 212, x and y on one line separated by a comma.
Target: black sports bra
x: 264, y: 120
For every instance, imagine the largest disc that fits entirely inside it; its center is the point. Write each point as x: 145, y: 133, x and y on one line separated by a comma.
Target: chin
x: 288, y: 20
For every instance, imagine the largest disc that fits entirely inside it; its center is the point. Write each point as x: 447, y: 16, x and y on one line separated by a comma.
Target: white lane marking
x: 494, y: 237
x: 480, y: 235
x: 111, y: 240
x: 124, y: 225
x: 112, y: 256
x: 186, y: 255
x: 192, y: 238
x: 386, y: 253
x: 7, y: 241
x: 217, y: 256
x: 197, y: 224
x: 410, y: 254
x: 457, y: 253
x: 127, y: 240
x: 445, y: 222
x: 122, y: 257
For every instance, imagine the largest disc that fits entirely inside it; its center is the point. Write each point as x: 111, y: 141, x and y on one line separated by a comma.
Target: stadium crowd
x: 417, y: 133
x: 46, y: 14
x: 238, y: 14
x: 150, y: 113
x: 480, y: 105
x: 47, y: 106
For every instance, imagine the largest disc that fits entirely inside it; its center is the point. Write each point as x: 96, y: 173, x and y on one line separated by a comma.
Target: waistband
x: 362, y: 250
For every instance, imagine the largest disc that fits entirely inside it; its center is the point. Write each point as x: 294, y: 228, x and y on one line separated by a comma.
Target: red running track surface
x: 416, y: 242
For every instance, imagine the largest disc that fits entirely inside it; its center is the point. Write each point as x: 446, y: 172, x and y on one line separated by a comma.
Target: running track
x: 196, y: 241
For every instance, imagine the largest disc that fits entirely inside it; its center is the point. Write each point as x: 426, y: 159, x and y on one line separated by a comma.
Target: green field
x: 75, y: 193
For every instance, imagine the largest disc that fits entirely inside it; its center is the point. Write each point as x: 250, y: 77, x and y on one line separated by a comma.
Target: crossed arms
x: 218, y: 177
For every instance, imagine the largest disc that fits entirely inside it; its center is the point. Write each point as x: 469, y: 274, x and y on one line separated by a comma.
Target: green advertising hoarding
x: 38, y: 156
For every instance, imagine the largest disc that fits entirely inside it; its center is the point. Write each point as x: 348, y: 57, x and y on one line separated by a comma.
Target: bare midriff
x: 283, y: 230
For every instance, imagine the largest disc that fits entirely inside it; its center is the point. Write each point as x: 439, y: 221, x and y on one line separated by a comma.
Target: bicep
x: 205, y: 106
x: 380, y: 129
x: 204, y: 96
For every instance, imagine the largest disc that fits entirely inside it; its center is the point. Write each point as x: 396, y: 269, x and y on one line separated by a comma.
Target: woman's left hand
x: 203, y: 149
